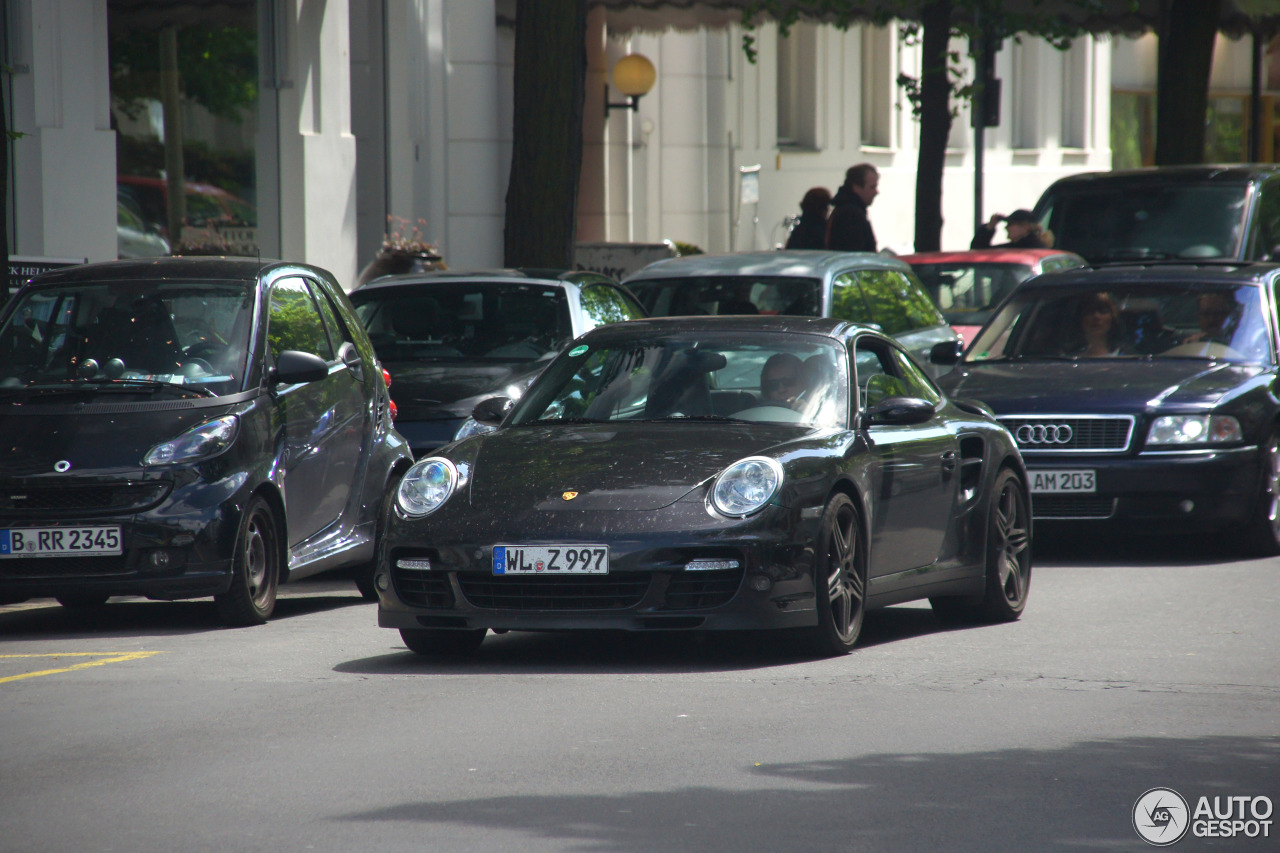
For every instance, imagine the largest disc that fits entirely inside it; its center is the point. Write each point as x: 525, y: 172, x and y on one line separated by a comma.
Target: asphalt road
x: 146, y: 727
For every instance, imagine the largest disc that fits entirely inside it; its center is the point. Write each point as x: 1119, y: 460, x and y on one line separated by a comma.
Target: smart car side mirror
x: 900, y: 411
x: 293, y: 367
x: 492, y: 410
x: 947, y: 352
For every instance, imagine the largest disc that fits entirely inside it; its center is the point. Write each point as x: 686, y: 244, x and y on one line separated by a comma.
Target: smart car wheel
x: 1263, y: 536
x: 255, y: 571
x: 1008, y: 574
x: 83, y: 601
x: 840, y: 579
x: 440, y: 642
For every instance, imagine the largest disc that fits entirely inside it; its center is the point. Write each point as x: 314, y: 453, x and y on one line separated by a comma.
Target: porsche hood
x: 608, y: 466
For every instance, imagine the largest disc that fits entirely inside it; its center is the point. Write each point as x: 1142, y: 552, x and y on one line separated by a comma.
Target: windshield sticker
x: 578, y: 350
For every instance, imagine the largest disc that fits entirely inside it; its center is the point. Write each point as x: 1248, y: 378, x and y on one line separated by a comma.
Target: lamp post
x: 633, y: 76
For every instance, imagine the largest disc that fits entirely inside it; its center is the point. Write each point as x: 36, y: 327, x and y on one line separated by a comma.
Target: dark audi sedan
x: 721, y: 473
x: 1142, y: 396
x: 181, y: 428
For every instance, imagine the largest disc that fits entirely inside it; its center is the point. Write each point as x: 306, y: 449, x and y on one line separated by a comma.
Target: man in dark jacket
x: 1022, y: 227
x: 848, y: 229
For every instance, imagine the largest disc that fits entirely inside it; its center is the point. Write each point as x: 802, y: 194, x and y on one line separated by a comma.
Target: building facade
x: 307, y: 129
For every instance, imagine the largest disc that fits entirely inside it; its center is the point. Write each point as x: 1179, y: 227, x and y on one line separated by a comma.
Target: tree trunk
x: 935, y: 123
x: 546, y: 152
x: 1184, y: 58
x: 4, y: 187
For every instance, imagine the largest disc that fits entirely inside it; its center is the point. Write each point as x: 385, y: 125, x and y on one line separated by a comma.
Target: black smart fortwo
x: 180, y: 428
x: 711, y: 473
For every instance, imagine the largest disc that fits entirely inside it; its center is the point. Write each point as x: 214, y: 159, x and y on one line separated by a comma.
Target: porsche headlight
x: 426, y: 486
x: 196, y: 444
x: 1193, y: 430
x: 746, y: 486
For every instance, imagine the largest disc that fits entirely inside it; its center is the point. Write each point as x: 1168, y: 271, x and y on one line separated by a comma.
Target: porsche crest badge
x: 569, y: 495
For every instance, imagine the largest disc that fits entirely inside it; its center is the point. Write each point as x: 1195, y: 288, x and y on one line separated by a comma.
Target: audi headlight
x: 1191, y: 430
x: 426, y: 486
x: 746, y: 486
x: 196, y: 444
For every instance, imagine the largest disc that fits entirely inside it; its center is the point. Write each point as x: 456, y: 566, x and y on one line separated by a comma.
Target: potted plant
x: 403, y: 250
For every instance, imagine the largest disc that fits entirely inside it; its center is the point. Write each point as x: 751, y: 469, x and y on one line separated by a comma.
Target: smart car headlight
x: 426, y: 486
x: 1193, y: 430
x: 196, y: 444
x: 746, y: 486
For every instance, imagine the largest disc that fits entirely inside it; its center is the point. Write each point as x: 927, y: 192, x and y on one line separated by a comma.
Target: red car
x: 968, y: 285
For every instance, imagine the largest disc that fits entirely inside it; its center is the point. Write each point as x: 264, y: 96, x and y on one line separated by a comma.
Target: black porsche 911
x: 722, y: 473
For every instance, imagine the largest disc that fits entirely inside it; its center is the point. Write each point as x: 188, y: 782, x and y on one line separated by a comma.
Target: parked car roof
x: 799, y: 262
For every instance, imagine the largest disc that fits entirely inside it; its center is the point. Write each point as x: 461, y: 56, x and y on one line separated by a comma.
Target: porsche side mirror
x: 492, y: 410
x: 947, y: 352
x: 900, y: 411
x: 293, y: 367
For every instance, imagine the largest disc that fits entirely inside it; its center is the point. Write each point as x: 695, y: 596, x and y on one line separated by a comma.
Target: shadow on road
x: 1013, y: 799
x: 130, y: 616
x: 1054, y: 545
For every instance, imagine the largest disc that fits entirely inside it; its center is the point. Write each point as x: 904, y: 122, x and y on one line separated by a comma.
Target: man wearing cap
x: 1021, y: 226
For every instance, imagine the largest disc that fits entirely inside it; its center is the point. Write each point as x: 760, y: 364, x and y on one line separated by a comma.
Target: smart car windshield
x: 465, y: 321
x: 188, y: 334
x: 1161, y: 321
x: 791, y: 379
x: 729, y: 294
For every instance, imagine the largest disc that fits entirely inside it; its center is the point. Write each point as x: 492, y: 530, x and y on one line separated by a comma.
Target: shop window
x: 185, y: 101
x: 1227, y: 128
x: 798, y: 87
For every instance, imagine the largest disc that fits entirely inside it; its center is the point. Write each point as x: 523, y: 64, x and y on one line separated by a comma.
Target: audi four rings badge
x: 62, y: 466
x: 1043, y: 434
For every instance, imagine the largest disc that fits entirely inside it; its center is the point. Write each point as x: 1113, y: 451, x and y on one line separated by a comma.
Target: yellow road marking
x: 106, y: 657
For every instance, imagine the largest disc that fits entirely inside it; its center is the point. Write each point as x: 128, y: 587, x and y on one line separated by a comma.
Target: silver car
x: 856, y: 286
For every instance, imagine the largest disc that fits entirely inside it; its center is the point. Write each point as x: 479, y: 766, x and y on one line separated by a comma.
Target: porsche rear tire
x: 840, y: 581
x: 1008, y: 574
x: 442, y: 643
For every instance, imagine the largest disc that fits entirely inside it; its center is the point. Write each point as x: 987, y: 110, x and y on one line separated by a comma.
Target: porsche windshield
x: 180, y: 333
x: 793, y: 379
x: 1167, y: 321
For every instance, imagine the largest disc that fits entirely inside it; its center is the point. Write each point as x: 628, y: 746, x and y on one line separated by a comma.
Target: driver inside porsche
x: 782, y: 381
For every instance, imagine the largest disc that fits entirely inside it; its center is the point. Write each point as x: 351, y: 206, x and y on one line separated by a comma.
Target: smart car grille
x: 67, y: 500
x: 1070, y: 433
x: 590, y: 592
x: 699, y: 590
x: 1072, y: 506
x: 63, y: 567
x: 422, y: 588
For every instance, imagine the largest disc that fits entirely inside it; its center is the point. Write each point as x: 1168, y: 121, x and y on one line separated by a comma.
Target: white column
x: 317, y: 149
x: 65, y: 163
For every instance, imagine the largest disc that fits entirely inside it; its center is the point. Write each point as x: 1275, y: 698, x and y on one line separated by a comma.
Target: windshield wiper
x: 126, y: 384
x: 716, y: 418
x: 542, y: 421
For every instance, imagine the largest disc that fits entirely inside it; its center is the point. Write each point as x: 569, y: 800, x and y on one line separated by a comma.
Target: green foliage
x: 683, y: 249
x: 295, y: 325
x: 217, y: 67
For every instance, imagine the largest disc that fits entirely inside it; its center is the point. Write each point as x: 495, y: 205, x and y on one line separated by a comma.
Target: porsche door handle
x: 949, y: 461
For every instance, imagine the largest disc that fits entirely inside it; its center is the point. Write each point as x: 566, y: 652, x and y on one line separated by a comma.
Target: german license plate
x: 1062, y: 482
x: 551, y: 560
x: 60, y: 542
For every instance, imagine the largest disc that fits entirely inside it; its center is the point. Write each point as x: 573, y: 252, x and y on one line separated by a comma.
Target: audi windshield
x: 1128, y: 322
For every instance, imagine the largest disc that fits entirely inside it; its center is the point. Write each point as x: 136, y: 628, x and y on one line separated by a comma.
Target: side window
x: 1266, y: 222
x: 921, y: 310
x: 889, y: 311
x: 603, y: 305
x: 914, y: 380
x: 848, y: 302
x: 874, y: 364
x: 295, y: 322
x: 328, y: 314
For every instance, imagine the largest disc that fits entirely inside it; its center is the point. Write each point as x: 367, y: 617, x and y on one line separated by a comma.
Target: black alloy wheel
x: 1008, y: 573
x: 255, y: 571
x: 440, y: 642
x: 1262, y: 538
x: 840, y: 580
